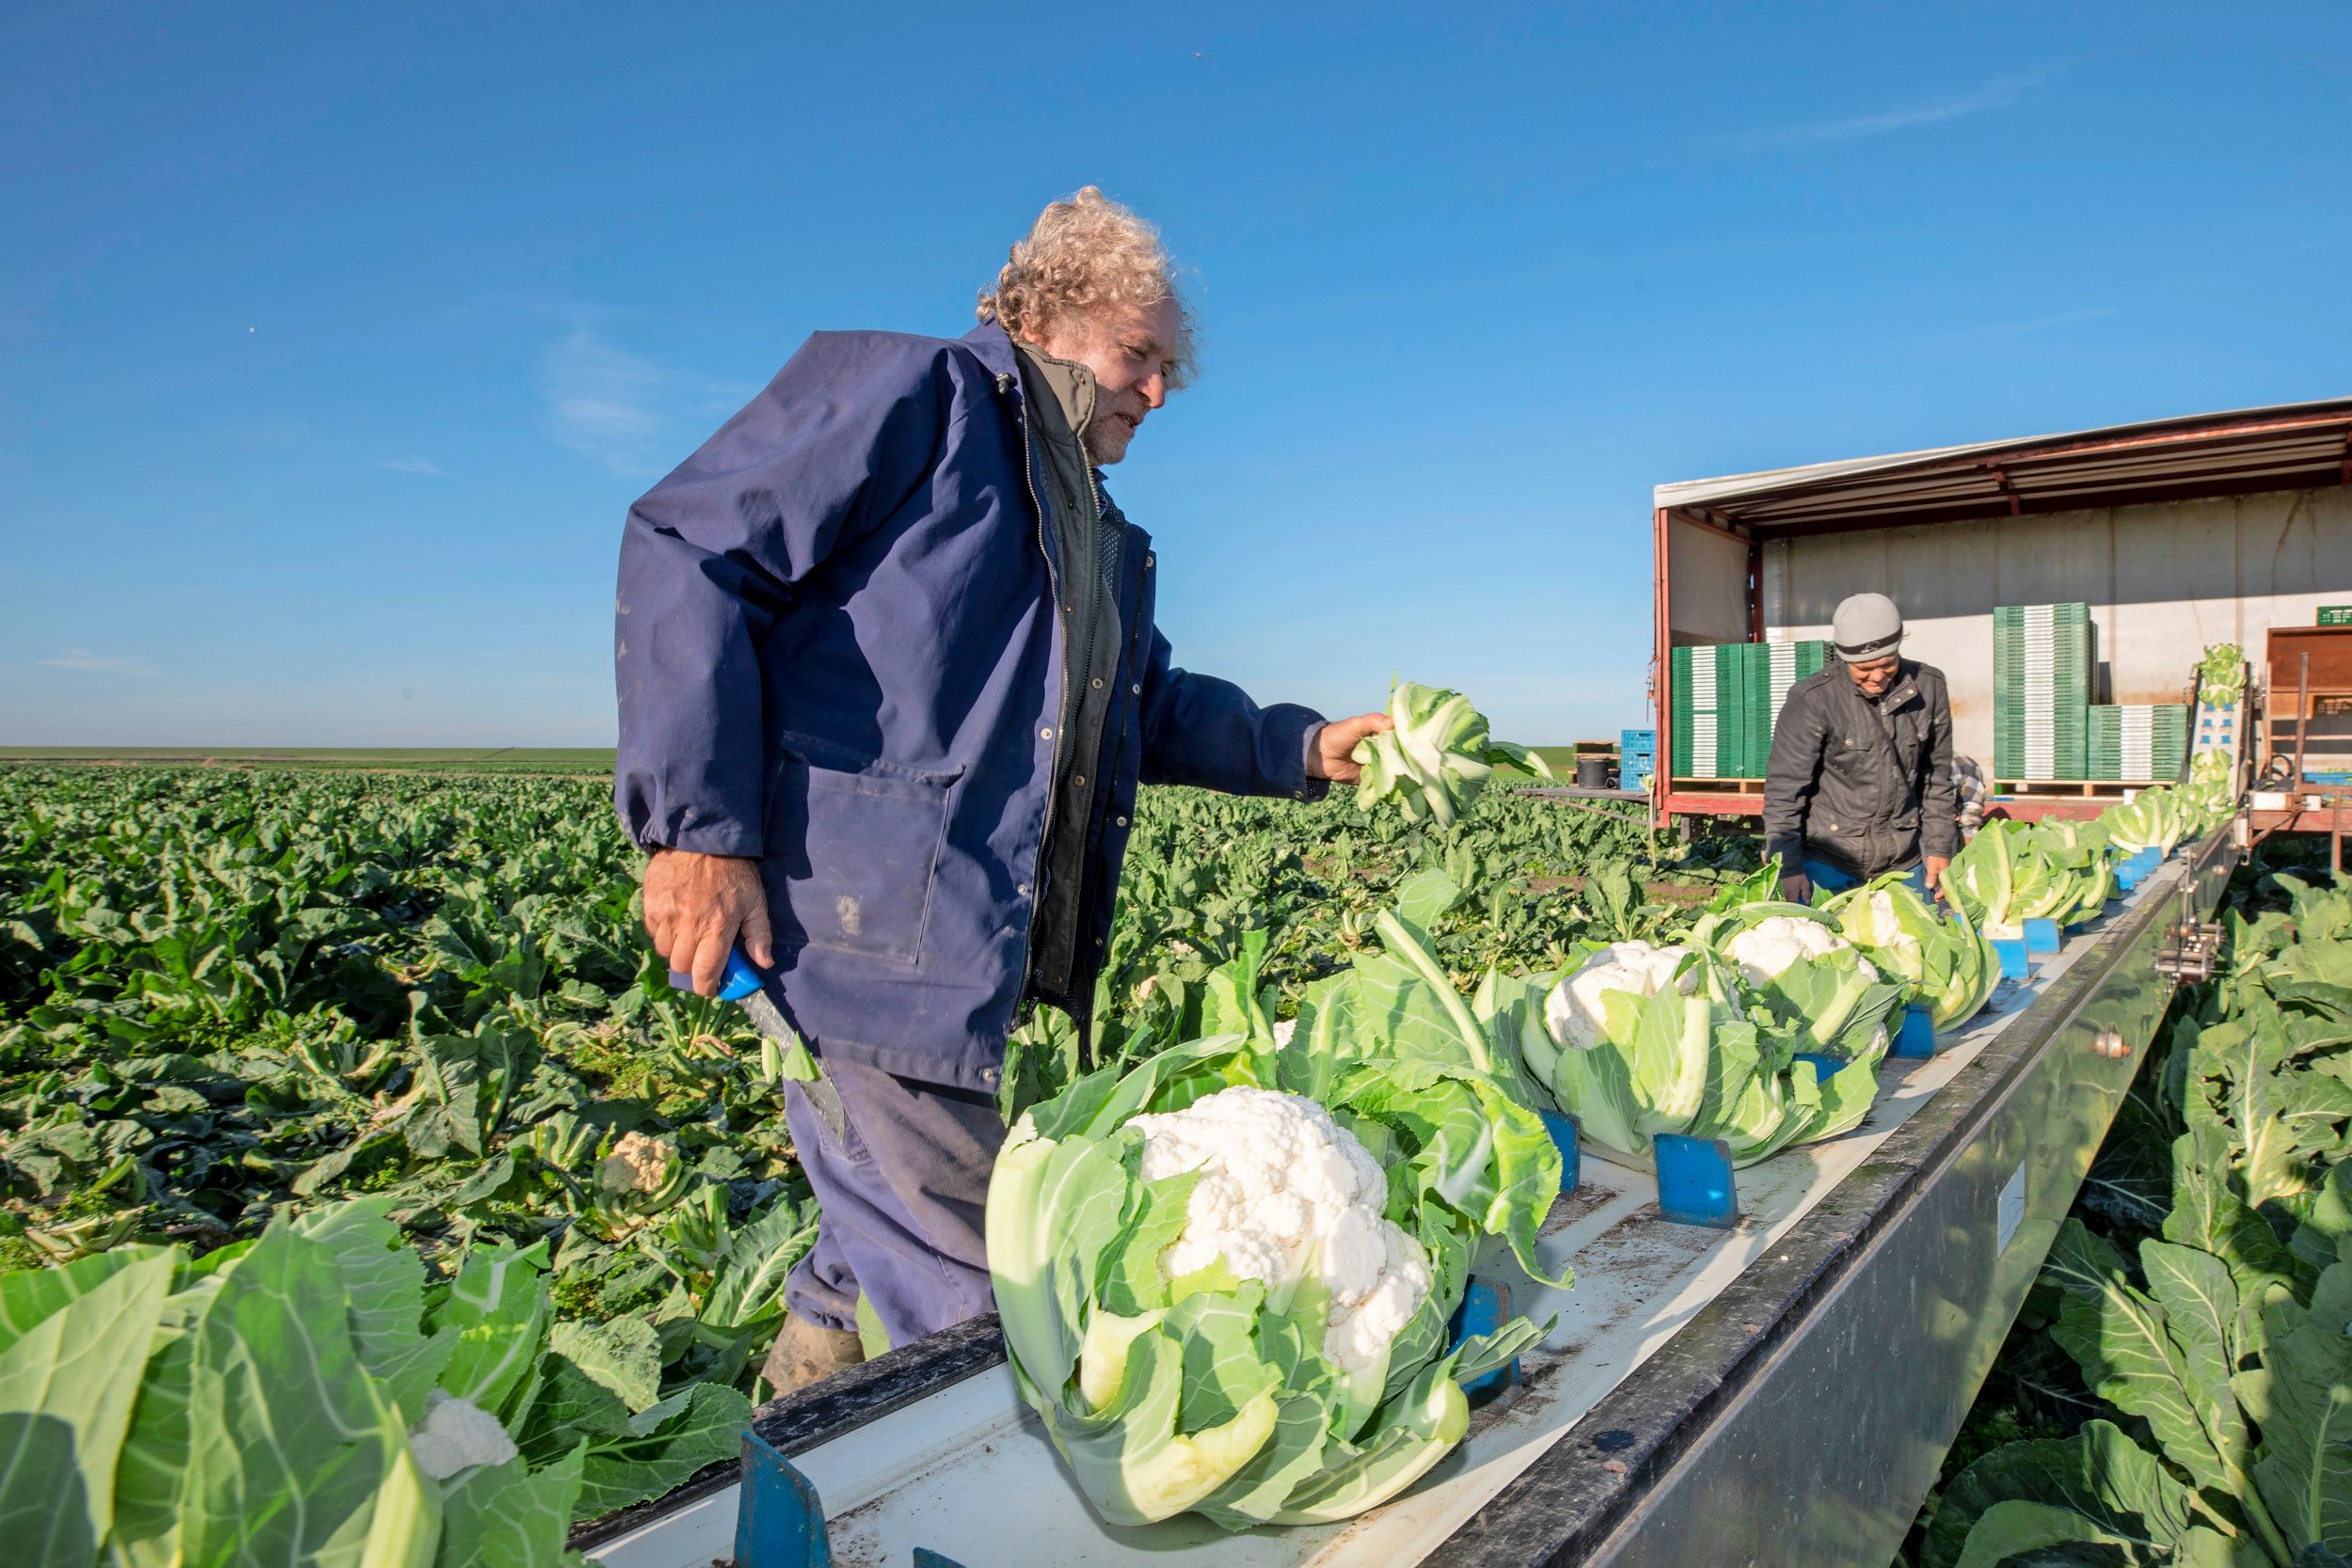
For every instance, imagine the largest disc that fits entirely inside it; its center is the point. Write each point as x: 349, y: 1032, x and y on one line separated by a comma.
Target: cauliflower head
x: 456, y: 1435
x: 1767, y: 948
x: 638, y: 1163
x: 1574, y: 1012
x: 1285, y: 1193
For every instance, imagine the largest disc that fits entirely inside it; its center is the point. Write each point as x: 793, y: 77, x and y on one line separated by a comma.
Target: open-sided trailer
x: 1778, y: 1392
x: 2178, y: 533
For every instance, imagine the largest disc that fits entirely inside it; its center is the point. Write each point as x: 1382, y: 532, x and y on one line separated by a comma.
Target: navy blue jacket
x: 836, y: 650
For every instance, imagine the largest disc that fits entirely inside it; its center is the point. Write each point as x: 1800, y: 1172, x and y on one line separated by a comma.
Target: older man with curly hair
x: 889, y: 678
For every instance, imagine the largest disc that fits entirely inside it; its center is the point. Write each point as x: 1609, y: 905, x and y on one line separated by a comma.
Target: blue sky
x: 338, y: 339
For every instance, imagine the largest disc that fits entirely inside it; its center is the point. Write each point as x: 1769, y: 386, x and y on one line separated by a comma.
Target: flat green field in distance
x: 545, y: 759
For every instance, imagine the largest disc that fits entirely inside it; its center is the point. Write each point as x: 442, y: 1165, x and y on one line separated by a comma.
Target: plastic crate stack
x: 1710, y: 717
x: 1727, y: 702
x: 1637, y: 758
x: 2041, y: 691
x: 2145, y: 743
x: 1779, y: 667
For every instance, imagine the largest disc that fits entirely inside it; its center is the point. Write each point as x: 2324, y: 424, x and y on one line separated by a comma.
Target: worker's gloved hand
x: 1333, y: 757
x: 1935, y: 874
x: 1797, y: 888
x: 698, y: 906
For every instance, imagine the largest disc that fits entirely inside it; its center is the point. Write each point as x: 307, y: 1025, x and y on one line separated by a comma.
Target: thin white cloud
x: 2001, y: 92
x: 413, y: 466
x: 629, y: 412
x: 2025, y: 327
x: 96, y: 664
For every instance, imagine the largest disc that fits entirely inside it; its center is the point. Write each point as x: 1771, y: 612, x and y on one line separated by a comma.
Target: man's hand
x: 698, y: 906
x: 1797, y: 888
x: 1935, y: 874
x: 1332, y: 759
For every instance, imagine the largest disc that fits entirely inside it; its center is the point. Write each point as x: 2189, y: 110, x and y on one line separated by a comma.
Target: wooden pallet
x: 2070, y: 789
x: 1717, y: 786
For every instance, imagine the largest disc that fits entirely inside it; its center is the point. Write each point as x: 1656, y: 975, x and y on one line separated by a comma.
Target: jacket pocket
x: 1834, y: 840
x: 853, y: 850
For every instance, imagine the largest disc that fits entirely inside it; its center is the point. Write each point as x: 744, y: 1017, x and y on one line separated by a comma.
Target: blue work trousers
x: 1828, y: 879
x: 902, y: 1203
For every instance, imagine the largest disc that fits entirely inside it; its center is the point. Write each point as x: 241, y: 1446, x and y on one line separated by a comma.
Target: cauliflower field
x: 273, y: 1039
x: 234, y: 995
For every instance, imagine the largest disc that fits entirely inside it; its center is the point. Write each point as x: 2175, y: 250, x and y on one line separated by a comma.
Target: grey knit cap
x: 1867, y: 626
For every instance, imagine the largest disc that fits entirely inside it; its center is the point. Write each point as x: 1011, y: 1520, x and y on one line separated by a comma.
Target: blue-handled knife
x: 743, y: 985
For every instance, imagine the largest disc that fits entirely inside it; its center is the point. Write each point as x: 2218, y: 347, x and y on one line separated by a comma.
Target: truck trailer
x: 2178, y: 533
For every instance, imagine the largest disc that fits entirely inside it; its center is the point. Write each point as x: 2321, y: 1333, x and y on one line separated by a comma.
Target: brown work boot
x: 806, y: 1353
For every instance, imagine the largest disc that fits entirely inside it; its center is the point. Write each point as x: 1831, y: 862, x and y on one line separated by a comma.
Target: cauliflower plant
x: 1765, y: 950
x: 1940, y: 957
x: 638, y: 1163
x: 1225, y: 1269
x: 1286, y: 1192
x: 1797, y: 964
x: 1436, y: 760
x: 457, y: 1435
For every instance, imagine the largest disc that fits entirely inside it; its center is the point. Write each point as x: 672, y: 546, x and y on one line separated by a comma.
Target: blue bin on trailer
x: 1637, y: 755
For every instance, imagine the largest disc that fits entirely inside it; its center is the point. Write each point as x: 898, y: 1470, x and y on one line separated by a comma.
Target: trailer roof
x: 2287, y: 447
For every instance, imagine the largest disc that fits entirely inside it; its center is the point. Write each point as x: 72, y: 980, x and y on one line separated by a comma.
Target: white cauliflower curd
x: 637, y: 1165
x: 1767, y: 948
x: 456, y: 1435
x: 1886, y: 927
x: 1286, y: 1192
x: 1574, y: 1013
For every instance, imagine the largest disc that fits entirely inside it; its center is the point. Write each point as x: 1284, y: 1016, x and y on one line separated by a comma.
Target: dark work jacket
x: 837, y: 649
x: 1841, y: 788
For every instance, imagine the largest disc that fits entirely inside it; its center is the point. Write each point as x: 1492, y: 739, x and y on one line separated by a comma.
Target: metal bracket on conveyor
x: 2190, y: 950
x: 779, y: 1521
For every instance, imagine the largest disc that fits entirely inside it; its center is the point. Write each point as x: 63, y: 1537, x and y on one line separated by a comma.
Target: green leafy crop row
x: 2184, y: 1364
x: 233, y: 1002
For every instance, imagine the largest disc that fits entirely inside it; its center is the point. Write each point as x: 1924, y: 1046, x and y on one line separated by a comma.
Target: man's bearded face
x: 1129, y: 348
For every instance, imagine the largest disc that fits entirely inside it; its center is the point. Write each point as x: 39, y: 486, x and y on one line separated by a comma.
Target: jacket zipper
x: 1095, y: 622
x: 1052, y: 580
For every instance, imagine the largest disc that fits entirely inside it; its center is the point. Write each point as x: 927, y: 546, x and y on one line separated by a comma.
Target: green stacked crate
x: 1727, y: 698
x: 2041, y: 664
x: 1755, y: 716
x: 2142, y: 742
x: 1709, y: 713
